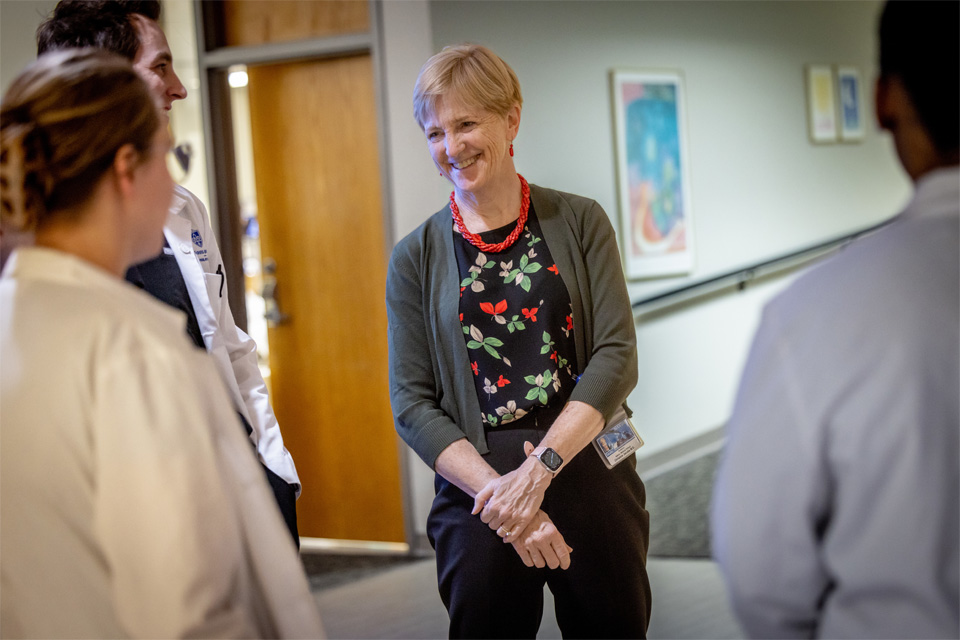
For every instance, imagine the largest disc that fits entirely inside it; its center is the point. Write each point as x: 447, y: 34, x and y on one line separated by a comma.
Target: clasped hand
x: 541, y: 544
x: 508, y: 504
x: 504, y: 504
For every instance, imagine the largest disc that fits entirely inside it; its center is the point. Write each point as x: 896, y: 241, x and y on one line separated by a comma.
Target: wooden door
x: 319, y: 208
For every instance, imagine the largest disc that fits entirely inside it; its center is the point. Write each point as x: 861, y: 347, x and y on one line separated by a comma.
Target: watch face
x: 551, y: 459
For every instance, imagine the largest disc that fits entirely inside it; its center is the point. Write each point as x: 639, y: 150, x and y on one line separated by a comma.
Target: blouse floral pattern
x: 517, y: 322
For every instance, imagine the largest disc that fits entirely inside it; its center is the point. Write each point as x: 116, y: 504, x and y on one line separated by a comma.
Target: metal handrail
x: 739, y: 278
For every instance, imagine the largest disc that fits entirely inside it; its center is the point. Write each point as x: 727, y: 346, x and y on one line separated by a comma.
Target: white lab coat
x: 835, y: 510
x: 130, y: 502
x: 192, y: 240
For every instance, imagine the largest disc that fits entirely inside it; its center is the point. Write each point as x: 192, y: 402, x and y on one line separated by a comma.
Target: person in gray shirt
x: 835, y: 511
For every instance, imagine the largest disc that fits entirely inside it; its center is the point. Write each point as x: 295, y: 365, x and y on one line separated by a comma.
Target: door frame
x: 214, y: 62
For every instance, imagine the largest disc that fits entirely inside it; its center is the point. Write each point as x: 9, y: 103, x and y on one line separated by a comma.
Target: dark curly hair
x: 102, y: 24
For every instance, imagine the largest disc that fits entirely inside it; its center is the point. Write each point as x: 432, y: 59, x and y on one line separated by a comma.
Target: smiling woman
x: 511, y: 341
x: 470, y: 128
x: 469, y: 145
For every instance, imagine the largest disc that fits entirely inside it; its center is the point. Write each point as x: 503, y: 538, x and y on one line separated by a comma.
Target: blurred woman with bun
x: 122, y: 512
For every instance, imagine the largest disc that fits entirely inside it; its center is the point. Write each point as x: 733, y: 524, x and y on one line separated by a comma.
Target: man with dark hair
x: 835, y: 510
x: 104, y: 24
x: 188, y: 275
x: 915, y: 61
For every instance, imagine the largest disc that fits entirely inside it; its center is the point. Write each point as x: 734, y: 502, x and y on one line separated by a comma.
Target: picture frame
x: 850, y: 104
x: 821, y: 104
x: 653, y: 173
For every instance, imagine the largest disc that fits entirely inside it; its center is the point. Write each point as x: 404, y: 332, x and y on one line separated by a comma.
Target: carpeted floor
x: 328, y: 570
x: 679, y: 505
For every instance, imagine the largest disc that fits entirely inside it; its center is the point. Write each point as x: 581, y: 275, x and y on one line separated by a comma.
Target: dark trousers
x: 286, y: 495
x: 490, y: 593
x: 284, y: 492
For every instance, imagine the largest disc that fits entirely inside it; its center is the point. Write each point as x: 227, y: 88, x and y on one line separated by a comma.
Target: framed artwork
x: 850, y: 91
x: 821, y: 104
x: 653, y: 173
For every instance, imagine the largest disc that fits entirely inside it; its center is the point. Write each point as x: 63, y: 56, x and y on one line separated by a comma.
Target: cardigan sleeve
x: 414, y: 389
x: 611, y: 372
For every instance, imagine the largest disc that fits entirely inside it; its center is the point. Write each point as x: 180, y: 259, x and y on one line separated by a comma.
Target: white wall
x: 759, y: 187
x: 186, y: 117
x: 18, y: 43
x: 417, y: 189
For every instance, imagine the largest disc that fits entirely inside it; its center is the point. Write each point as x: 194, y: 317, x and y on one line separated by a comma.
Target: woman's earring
x: 511, y: 149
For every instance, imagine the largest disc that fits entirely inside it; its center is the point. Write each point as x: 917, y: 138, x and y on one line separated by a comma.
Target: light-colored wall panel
x: 18, y: 43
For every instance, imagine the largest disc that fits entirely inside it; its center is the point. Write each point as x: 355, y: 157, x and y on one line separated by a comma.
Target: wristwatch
x: 550, y: 458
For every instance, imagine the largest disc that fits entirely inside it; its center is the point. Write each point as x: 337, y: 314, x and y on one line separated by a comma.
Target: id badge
x: 617, y: 440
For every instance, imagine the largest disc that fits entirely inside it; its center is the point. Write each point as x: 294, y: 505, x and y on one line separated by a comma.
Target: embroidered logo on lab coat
x: 200, y: 252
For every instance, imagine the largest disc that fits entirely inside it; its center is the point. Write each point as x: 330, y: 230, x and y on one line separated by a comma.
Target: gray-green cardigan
x: 431, y: 387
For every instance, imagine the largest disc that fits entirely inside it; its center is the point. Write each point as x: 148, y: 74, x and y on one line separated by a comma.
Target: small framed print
x: 850, y: 92
x: 653, y: 172
x: 821, y: 104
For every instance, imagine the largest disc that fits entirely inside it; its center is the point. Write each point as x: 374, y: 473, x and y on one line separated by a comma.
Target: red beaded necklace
x: 474, y: 238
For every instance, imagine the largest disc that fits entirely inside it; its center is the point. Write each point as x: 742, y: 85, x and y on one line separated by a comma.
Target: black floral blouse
x: 517, y: 322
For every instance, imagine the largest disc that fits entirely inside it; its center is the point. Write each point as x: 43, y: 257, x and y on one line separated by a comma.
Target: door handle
x: 272, y: 313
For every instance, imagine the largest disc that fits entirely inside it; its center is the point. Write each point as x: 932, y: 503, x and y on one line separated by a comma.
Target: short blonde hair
x: 62, y: 122
x: 472, y: 73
